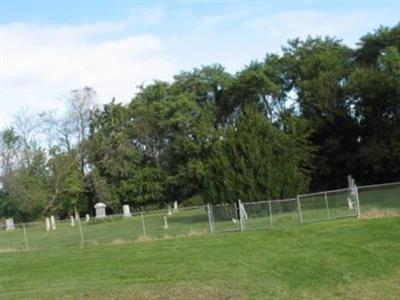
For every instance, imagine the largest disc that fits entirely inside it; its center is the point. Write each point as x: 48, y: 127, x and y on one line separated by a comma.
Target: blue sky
x: 51, y: 47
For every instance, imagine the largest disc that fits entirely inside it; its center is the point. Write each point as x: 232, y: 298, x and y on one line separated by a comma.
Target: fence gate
x: 329, y: 205
x: 226, y: 217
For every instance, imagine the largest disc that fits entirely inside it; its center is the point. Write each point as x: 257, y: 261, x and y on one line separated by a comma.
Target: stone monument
x: 53, y: 222
x: 48, y: 226
x: 10, y: 224
x: 127, y: 210
x: 165, y: 222
x: 100, y: 210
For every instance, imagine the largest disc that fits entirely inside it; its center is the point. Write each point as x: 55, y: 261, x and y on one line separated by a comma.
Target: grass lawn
x: 352, y: 259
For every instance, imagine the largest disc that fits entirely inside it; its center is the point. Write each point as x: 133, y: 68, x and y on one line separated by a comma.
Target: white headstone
x: 175, y: 205
x: 350, y: 203
x: 48, y: 226
x: 72, y: 221
x: 165, y: 222
x: 169, y: 210
x: 100, y: 210
x: 77, y: 217
x: 10, y: 224
x: 350, y: 180
x: 127, y: 210
x: 53, y: 222
x: 87, y: 218
x: 244, y: 213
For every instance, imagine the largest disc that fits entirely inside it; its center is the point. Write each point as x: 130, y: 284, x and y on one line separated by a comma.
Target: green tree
x: 375, y: 88
x: 114, y: 155
x: 66, y: 184
x: 316, y: 75
x: 254, y: 161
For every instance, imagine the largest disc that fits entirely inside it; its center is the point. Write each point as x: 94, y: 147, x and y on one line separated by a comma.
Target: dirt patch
x: 190, y: 293
x: 379, y: 213
x: 168, y: 293
x: 119, y: 242
x: 144, y: 239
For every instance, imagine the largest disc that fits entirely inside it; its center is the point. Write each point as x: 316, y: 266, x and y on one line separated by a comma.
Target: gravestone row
x: 100, y: 209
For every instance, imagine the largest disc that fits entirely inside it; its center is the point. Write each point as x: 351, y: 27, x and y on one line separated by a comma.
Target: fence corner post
x: 299, y: 209
x: 242, y: 216
x: 270, y: 214
x: 210, y: 218
x: 357, y: 201
x: 143, y: 224
x: 25, y: 237
x: 81, y: 233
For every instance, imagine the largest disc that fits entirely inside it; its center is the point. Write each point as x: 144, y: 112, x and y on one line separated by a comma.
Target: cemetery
x: 199, y: 267
x: 177, y: 222
x: 196, y: 150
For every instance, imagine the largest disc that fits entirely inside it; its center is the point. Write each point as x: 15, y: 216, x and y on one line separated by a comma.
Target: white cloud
x: 302, y: 23
x: 44, y: 62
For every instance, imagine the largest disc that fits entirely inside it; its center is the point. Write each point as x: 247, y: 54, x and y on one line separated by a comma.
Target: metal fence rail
x: 372, y: 200
x: 328, y: 205
x: 380, y: 199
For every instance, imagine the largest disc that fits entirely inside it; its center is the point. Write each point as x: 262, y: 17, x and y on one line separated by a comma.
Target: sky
x: 49, y: 48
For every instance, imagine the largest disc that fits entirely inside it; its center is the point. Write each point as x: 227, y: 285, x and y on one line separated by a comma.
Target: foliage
x: 347, y: 259
x: 375, y: 88
x: 301, y: 120
x: 255, y: 161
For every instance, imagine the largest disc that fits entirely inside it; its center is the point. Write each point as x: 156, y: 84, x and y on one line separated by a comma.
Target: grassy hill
x: 352, y: 259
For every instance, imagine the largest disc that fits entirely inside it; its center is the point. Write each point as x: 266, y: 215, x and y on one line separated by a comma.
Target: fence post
x: 143, y: 225
x: 270, y: 214
x: 357, y: 201
x: 210, y: 219
x: 354, y: 190
x: 237, y: 215
x: 81, y: 233
x: 326, y: 204
x: 241, y: 216
x: 25, y: 237
x: 299, y: 210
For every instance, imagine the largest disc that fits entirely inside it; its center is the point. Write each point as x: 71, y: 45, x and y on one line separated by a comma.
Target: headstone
x: 349, y: 180
x: 244, y: 213
x: 72, y: 221
x: 87, y: 218
x: 175, y: 205
x: 48, y: 226
x: 169, y: 210
x: 77, y: 217
x: 53, y: 222
x: 10, y: 224
x: 352, y: 187
x: 100, y: 210
x: 350, y: 203
x: 127, y: 210
x: 165, y: 222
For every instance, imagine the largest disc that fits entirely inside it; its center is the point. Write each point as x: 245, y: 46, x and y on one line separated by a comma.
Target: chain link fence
x: 328, y: 205
x: 364, y: 201
x: 379, y: 199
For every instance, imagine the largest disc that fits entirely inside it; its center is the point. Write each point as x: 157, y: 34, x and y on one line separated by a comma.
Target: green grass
x: 381, y: 200
x: 384, y: 199
x: 351, y: 259
x: 118, y: 230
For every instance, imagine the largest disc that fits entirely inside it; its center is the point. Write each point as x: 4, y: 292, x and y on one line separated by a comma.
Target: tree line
x: 297, y: 121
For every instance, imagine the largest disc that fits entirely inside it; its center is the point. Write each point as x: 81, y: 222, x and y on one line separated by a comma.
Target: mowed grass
x: 374, y: 201
x: 350, y: 258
